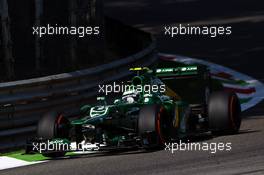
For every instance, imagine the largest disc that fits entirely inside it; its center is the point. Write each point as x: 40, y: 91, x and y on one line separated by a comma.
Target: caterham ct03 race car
x: 141, y: 119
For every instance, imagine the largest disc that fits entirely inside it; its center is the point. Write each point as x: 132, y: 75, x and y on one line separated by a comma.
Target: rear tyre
x: 53, y: 125
x: 224, y: 113
x: 153, y: 126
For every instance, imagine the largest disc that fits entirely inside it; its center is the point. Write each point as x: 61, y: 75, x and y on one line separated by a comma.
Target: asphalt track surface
x: 242, y: 51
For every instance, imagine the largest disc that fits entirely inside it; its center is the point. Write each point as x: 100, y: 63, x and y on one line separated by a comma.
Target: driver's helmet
x: 130, y: 96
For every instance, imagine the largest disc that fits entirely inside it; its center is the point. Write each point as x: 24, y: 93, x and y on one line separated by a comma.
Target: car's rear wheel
x: 53, y: 125
x: 153, y: 126
x: 224, y: 113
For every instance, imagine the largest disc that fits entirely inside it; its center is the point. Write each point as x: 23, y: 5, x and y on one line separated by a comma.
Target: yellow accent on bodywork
x: 138, y: 68
x: 171, y: 93
x: 176, y: 123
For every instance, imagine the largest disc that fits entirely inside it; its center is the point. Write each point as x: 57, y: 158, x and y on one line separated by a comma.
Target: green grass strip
x: 27, y: 157
x: 235, y: 82
x: 30, y: 157
x: 245, y: 100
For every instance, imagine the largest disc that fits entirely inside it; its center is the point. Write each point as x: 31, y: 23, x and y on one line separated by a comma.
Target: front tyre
x: 224, y: 113
x: 53, y: 125
x: 153, y: 126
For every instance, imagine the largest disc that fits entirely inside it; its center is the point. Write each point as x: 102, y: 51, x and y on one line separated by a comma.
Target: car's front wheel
x: 53, y: 125
x: 153, y: 126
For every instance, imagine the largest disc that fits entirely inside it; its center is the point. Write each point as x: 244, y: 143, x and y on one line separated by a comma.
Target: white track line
x: 8, y: 162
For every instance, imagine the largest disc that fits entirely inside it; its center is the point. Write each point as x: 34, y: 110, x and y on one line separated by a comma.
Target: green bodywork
x: 120, y: 118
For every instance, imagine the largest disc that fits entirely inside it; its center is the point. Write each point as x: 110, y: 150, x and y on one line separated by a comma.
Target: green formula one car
x: 177, y: 103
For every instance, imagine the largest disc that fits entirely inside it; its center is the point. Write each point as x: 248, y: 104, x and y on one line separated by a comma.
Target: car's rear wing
x: 177, y: 72
x: 190, y: 82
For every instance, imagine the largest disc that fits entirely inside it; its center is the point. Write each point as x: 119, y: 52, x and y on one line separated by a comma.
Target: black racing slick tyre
x: 53, y: 125
x: 153, y: 126
x: 224, y: 113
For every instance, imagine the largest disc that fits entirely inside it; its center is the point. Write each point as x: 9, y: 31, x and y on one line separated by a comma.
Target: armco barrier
x: 23, y: 102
